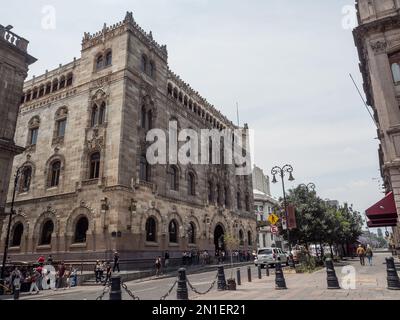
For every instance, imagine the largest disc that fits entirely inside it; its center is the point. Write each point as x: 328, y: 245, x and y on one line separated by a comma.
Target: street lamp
x: 3, y: 267
x: 309, y: 187
x: 281, y: 171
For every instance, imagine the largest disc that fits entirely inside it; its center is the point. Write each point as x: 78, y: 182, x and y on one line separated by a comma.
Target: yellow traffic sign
x: 273, y: 219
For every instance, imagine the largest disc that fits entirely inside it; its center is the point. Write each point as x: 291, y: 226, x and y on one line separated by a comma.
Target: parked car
x: 270, y: 256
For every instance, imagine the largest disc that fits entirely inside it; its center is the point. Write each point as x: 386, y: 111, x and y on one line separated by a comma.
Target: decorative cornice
x: 379, y: 47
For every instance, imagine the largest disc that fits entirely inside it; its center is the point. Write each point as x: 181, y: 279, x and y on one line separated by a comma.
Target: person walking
x: 16, y: 278
x: 61, y: 273
x: 34, y: 277
x: 361, y: 254
x: 116, y: 261
x: 166, y: 259
x: 158, y: 266
x: 369, y: 254
x: 97, y: 271
x: 108, y: 273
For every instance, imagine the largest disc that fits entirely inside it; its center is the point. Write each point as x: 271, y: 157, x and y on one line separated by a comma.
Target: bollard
x: 267, y: 269
x: 280, y: 283
x: 239, y: 280
x: 221, y: 279
x: 392, y: 276
x: 249, y: 274
x: 333, y: 282
x: 182, y: 290
x: 115, y: 292
x: 259, y: 272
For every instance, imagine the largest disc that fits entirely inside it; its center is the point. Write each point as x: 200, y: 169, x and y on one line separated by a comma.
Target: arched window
x: 180, y: 97
x: 62, y: 82
x: 35, y: 93
x: 247, y: 202
x: 102, y: 113
x: 28, y: 95
x: 169, y: 89
x: 48, y: 88
x: 69, y: 79
x: 143, y: 117
x: 95, y: 114
x: 149, y: 119
x: 249, y: 238
x: 17, y: 235
x: 226, y: 197
x: 26, y: 179
x: 185, y: 101
x: 175, y: 93
x: 210, y: 192
x: 144, y: 169
x: 239, y: 201
x: 144, y: 63
x: 192, y: 233
x: 34, y: 124
x: 191, y: 184
x: 47, y: 231
x: 190, y: 105
x: 55, y: 85
x: 151, y: 230
x: 241, y: 237
x: 55, y: 169
x: 173, y: 232
x: 210, y: 151
x: 94, y: 166
x: 99, y: 62
x: 41, y: 91
x: 109, y: 58
x: 151, y: 69
x: 81, y: 229
x: 394, y: 60
x: 173, y: 178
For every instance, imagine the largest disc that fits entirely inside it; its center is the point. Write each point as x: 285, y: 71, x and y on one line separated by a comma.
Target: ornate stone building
x: 378, y: 41
x: 14, y: 62
x: 87, y: 188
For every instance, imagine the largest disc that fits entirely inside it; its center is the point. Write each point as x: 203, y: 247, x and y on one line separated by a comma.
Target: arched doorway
x: 219, y: 238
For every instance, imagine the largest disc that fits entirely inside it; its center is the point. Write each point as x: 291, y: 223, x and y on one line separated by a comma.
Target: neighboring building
x: 264, y: 205
x: 332, y: 203
x: 378, y: 41
x: 87, y: 188
x: 14, y: 62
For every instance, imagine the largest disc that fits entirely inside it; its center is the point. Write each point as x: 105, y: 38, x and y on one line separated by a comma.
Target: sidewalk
x: 370, y: 284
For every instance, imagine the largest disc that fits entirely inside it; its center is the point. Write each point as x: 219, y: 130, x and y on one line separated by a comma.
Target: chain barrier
x: 105, y: 290
x: 169, y: 291
x: 125, y: 287
x: 205, y: 292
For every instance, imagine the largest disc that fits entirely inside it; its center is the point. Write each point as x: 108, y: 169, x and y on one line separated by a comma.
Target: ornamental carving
x: 96, y: 142
x: 379, y: 47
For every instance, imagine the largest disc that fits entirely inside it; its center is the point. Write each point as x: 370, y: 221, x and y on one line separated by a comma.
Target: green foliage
x: 318, y: 222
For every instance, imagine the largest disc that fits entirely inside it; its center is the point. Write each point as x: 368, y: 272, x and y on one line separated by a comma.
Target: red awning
x: 383, y: 209
x: 379, y: 224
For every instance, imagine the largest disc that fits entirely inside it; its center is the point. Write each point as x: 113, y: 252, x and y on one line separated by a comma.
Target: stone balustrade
x: 13, y: 39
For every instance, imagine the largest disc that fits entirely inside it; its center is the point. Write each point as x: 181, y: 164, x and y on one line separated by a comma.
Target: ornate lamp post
x: 3, y: 267
x: 281, y: 172
x: 309, y: 187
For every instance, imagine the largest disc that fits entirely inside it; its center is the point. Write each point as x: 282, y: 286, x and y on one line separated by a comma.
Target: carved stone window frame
x: 33, y: 124
x: 61, y: 115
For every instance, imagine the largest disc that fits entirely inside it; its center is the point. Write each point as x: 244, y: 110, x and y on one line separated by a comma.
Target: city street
x: 370, y: 284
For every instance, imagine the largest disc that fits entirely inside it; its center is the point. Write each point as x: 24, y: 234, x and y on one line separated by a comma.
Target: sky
x: 286, y: 63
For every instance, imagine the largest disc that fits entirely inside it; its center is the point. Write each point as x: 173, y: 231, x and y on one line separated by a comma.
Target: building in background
x: 14, y: 62
x: 87, y: 188
x: 378, y: 42
x: 264, y: 204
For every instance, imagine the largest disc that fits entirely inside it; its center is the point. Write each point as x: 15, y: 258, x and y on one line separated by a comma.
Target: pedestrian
x: 369, y: 254
x: 108, y: 273
x: 61, y: 272
x: 102, y: 269
x: 33, y: 278
x: 74, y: 277
x: 97, y: 270
x: 16, y: 278
x: 67, y: 276
x: 116, y: 261
x: 361, y: 254
x: 158, y: 266
x: 50, y: 260
x: 166, y: 259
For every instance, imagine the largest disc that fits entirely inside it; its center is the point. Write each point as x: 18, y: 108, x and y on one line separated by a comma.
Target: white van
x: 270, y: 256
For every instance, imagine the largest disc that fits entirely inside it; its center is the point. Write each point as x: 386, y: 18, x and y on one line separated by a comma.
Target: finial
x: 151, y: 35
x: 104, y: 27
x: 128, y: 17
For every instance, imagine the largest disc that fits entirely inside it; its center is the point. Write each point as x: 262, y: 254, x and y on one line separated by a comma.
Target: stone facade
x: 14, y: 62
x: 88, y: 191
x: 378, y: 41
